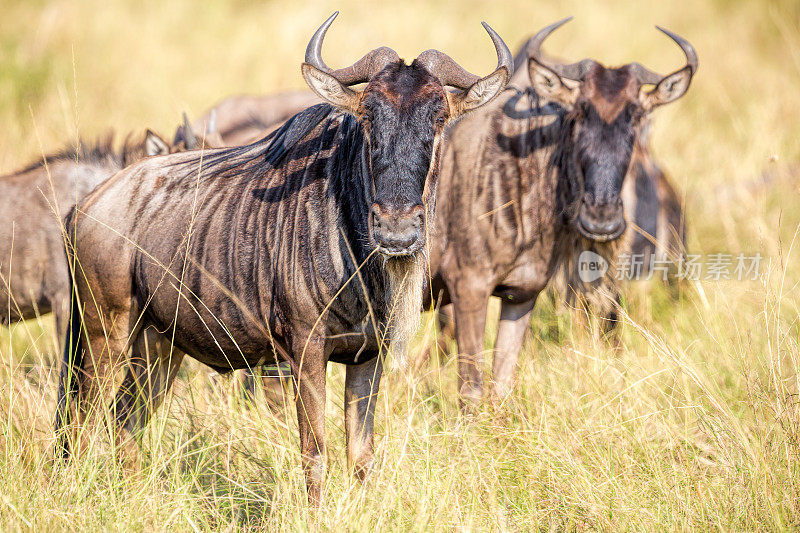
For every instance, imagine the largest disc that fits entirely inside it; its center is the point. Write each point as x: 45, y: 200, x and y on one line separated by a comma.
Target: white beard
x: 406, y: 278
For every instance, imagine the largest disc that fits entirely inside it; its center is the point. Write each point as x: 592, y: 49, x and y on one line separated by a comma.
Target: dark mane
x: 100, y: 151
x: 262, y: 155
x: 260, y: 159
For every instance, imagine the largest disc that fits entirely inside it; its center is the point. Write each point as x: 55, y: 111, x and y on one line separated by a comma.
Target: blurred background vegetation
x: 691, y: 421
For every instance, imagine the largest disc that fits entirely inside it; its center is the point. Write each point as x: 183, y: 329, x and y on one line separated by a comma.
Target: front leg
x: 310, y: 402
x: 514, y: 320
x: 469, y: 306
x: 360, y: 396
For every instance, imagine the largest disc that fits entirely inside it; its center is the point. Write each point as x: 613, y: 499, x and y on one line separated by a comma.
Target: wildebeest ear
x: 155, y: 145
x: 330, y: 89
x: 482, y: 91
x: 550, y: 85
x: 668, y: 90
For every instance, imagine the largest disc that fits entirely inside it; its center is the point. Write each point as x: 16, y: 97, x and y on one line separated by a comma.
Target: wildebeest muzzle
x: 398, y: 230
x: 601, y: 220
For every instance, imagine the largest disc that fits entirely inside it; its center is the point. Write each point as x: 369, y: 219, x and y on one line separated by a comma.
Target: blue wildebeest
x: 521, y: 191
x: 34, y: 277
x: 656, y: 229
x: 305, y: 248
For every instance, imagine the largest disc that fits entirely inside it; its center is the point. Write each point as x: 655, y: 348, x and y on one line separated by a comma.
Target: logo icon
x: 591, y: 266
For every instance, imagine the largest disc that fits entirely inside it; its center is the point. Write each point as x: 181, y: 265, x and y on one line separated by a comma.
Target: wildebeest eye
x: 440, y: 121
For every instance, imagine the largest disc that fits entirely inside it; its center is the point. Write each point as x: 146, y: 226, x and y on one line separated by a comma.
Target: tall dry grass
x: 690, y: 422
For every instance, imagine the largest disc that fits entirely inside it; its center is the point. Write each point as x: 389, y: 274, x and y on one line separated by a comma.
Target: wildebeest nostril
x: 418, y: 216
x: 375, y: 216
x: 397, y: 229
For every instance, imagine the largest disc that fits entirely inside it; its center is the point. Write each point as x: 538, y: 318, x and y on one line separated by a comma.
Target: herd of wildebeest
x: 307, y: 227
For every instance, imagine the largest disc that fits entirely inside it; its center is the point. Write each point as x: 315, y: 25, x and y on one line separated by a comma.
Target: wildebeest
x: 657, y: 226
x: 33, y: 272
x: 652, y: 244
x: 304, y: 248
x: 521, y: 191
x: 243, y: 119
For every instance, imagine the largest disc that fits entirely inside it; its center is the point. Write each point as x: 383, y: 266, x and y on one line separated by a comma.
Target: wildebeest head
x: 187, y: 139
x: 184, y: 139
x: 608, y: 108
x: 403, y: 110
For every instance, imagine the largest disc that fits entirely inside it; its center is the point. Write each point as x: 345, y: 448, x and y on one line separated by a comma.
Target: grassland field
x: 690, y: 421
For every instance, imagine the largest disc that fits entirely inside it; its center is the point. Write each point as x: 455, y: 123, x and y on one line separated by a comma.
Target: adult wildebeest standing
x: 34, y: 278
x: 520, y: 193
x: 306, y: 248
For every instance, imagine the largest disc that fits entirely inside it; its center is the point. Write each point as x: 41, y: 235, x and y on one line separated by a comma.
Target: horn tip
x: 671, y: 35
x: 488, y: 28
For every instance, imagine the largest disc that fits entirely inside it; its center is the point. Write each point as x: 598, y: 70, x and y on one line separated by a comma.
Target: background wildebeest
x: 33, y: 272
x: 520, y: 192
x: 656, y: 229
x: 243, y: 119
x: 653, y: 209
x: 305, y: 248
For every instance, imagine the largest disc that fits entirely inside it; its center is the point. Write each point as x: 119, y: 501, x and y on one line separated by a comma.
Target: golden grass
x: 691, y: 422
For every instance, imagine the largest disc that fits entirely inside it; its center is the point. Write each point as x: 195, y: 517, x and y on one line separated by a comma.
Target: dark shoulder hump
x: 265, y: 153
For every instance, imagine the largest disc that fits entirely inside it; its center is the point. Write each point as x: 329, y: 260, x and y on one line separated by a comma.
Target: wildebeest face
x: 402, y: 110
x: 606, y: 110
x: 606, y: 119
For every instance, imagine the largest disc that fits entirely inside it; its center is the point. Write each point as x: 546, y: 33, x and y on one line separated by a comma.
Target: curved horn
x: 188, y: 134
x: 451, y: 73
x: 646, y: 76
x: 572, y: 71
x: 359, y: 72
x: 688, y: 49
x: 314, y: 48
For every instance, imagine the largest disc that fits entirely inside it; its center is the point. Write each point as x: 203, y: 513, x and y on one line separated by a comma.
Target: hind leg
x: 244, y: 384
x: 276, y: 382
x: 60, y: 307
x: 447, y: 332
x: 152, y: 367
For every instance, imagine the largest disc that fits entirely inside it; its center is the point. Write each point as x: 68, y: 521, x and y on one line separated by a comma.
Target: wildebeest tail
x: 72, y: 362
